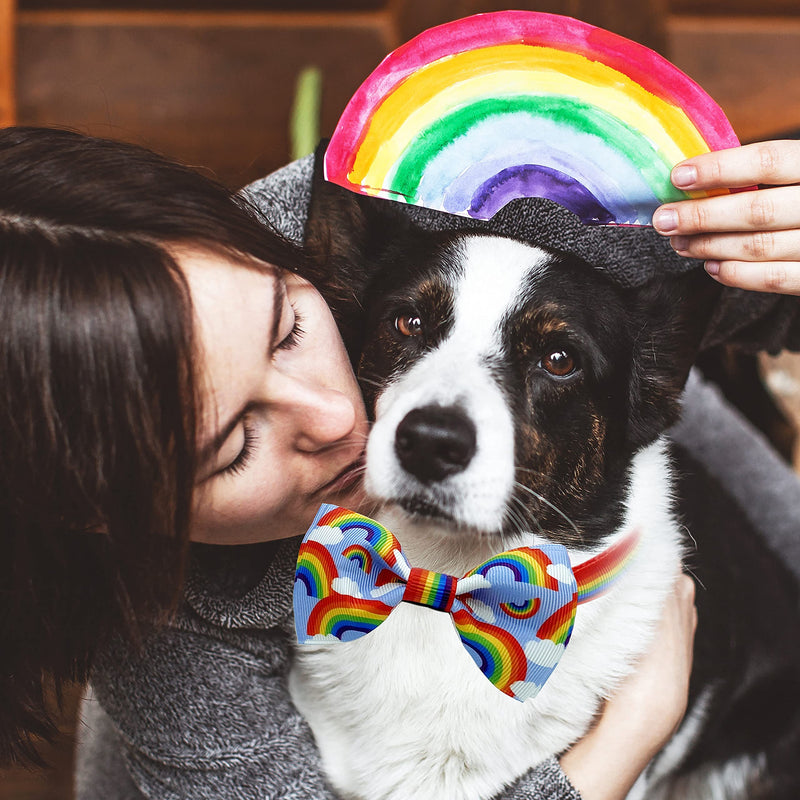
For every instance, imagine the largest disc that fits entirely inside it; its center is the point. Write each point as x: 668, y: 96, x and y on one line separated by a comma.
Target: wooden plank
x: 214, y: 95
x: 197, y: 5
x: 414, y: 16
x: 750, y: 66
x: 733, y: 8
x: 7, y: 62
x: 114, y: 18
x: 642, y: 21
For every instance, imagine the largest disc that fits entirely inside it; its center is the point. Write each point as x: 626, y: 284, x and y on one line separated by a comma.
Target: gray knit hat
x: 630, y: 256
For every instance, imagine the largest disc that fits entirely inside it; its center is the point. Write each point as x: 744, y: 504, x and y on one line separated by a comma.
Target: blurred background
x: 219, y: 85
x: 213, y: 83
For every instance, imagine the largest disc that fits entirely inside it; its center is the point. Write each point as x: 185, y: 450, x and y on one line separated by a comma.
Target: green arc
x: 578, y: 116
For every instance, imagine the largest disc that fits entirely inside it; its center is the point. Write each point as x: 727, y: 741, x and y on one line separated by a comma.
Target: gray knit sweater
x: 203, y: 711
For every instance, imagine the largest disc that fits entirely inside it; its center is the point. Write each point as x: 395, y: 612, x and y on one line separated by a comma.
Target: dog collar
x: 599, y: 573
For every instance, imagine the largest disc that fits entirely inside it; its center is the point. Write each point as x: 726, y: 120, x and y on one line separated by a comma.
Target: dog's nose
x: 434, y: 442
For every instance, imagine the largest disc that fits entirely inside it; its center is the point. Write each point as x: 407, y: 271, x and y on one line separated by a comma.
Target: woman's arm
x: 200, y: 714
x: 644, y: 713
x: 750, y: 240
x: 635, y: 723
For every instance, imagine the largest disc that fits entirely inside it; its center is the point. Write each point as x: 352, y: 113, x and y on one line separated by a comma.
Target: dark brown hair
x: 97, y: 397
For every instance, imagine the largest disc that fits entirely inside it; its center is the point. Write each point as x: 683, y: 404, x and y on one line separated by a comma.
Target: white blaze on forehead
x: 495, y: 273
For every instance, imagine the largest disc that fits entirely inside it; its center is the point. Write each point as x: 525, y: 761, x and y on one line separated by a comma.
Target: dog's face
x: 493, y: 366
x: 510, y: 385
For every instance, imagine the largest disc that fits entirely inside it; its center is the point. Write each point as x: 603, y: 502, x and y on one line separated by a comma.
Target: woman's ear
x: 669, y: 317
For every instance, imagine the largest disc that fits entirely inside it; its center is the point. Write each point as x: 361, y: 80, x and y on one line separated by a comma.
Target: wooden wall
x: 749, y: 65
x: 214, y: 90
x: 7, y: 62
x: 212, y: 83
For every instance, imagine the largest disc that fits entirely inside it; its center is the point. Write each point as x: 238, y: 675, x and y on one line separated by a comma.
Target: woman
x: 164, y: 379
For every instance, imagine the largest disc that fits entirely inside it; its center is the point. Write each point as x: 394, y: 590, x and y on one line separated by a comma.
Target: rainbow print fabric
x: 473, y: 114
x: 514, y: 613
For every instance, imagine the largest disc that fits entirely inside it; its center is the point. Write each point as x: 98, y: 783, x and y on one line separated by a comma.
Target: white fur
x: 404, y: 711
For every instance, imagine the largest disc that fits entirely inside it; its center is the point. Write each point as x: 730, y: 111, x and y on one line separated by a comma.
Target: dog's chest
x: 408, y: 703
x: 405, y: 711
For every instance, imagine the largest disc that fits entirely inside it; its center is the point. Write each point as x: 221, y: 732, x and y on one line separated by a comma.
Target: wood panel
x: 732, y: 8
x: 7, y: 62
x: 750, y: 66
x: 416, y: 16
x: 203, y: 5
x: 642, y: 21
x: 214, y: 90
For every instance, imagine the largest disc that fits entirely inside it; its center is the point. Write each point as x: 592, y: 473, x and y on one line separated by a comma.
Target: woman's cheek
x: 231, y: 500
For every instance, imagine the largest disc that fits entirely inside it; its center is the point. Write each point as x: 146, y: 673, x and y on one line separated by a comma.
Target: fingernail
x: 684, y: 176
x: 665, y: 220
x: 680, y: 243
x: 712, y: 268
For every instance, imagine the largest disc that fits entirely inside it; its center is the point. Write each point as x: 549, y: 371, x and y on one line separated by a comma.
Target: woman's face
x: 283, y: 425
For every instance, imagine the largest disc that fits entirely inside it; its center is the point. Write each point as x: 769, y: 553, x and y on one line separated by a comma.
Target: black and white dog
x: 517, y: 390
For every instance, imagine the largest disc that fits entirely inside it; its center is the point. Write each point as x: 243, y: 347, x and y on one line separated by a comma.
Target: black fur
x: 748, y: 636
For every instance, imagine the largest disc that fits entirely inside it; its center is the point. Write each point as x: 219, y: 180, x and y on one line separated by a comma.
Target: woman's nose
x: 321, y: 416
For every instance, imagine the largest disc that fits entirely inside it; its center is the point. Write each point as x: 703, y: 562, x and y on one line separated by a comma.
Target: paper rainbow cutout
x: 472, y: 114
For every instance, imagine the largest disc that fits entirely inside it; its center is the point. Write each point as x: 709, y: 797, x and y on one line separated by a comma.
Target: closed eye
x: 295, y: 335
x: 242, y: 459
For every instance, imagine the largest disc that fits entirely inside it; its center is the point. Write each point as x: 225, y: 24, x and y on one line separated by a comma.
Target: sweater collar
x: 244, y: 586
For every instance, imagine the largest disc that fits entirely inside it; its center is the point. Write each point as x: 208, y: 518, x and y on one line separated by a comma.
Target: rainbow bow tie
x: 514, y: 612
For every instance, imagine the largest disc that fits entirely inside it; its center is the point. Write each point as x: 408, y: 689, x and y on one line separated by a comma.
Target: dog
x: 521, y: 396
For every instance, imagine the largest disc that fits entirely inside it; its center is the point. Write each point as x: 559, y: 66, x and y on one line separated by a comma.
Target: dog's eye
x: 408, y: 325
x: 559, y: 363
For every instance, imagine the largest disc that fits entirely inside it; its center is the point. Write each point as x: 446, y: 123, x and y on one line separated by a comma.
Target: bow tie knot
x: 514, y: 613
x: 430, y: 589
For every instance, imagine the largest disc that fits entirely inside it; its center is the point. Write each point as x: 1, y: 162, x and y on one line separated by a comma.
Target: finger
x: 782, y: 277
x: 776, y: 162
x: 685, y: 588
x: 764, y: 210
x: 757, y: 246
x: 688, y: 589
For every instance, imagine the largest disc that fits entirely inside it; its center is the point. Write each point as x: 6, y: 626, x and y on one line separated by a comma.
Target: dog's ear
x: 334, y: 242
x: 669, y: 317
x: 346, y: 233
